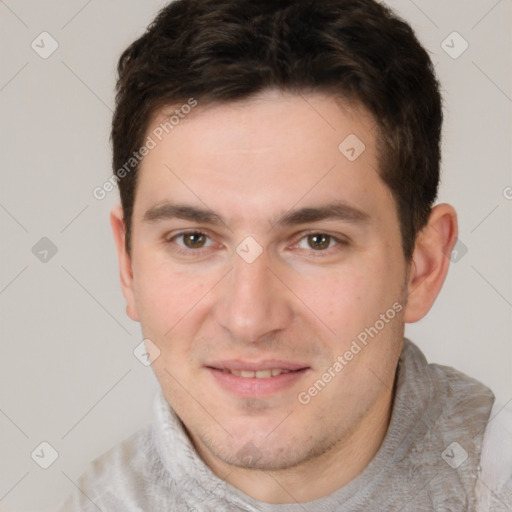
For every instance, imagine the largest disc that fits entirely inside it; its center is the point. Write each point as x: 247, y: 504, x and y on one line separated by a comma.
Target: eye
x: 192, y: 240
x: 319, y: 242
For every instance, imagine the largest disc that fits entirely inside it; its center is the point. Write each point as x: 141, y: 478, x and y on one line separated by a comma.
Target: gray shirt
x: 428, y: 461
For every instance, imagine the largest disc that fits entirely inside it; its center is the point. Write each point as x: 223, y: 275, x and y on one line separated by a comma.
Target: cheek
x: 351, y: 298
x: 166, y: 299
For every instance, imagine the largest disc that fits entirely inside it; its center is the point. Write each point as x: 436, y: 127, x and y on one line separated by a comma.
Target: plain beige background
x: 68, y: 373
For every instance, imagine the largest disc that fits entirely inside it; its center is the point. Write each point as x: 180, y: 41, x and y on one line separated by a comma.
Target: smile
x: 253, y: 380
x: 260, y: 374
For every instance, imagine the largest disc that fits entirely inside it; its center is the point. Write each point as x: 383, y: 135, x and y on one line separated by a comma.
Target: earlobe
x: 430, y: 261
x: 125, y: 262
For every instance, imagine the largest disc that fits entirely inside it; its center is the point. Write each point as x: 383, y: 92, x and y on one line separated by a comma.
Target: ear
x: 125, y: 263
x: 430, y: 261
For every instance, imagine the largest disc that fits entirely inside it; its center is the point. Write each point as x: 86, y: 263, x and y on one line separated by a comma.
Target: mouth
x: 248, y: 379
x: 260, y: 374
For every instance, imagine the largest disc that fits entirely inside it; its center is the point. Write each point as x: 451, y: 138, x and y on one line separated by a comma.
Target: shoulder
x: 120, y: 479
x: 494, y: 485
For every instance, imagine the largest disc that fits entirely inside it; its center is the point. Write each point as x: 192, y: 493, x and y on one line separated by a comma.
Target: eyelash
x: 339, y: 243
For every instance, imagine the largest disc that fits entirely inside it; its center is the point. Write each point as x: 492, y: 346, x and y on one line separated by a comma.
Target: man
x: 278, y: 164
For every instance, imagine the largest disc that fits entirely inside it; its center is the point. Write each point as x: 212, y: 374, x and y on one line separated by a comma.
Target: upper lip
x: 254, y: 366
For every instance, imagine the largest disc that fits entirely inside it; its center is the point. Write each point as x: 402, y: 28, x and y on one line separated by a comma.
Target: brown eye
x: 194, y: 240
x: 319, y: 241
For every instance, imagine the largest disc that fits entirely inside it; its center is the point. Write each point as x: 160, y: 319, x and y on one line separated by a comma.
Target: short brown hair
x: 228, y: 50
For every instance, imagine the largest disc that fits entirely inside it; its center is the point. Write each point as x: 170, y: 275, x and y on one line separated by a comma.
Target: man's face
x: 258, y: 245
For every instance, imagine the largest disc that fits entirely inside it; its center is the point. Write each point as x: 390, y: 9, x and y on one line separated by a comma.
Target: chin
x: 267, y: 458
x: 265, y: 452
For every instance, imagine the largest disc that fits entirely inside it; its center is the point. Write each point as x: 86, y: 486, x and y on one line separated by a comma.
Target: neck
x: 317, y: 477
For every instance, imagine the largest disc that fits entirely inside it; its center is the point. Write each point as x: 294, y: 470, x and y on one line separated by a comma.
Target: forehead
x: 273, y: 117
x: 274, y: 149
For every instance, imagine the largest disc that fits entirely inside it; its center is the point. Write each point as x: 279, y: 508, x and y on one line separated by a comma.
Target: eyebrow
x: 333, y: 211
x: 167, y: 211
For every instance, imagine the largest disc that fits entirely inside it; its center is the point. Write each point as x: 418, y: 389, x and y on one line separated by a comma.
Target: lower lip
x: 254, y: 387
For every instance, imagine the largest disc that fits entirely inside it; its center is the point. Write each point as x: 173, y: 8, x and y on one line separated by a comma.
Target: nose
x: 253, y: 304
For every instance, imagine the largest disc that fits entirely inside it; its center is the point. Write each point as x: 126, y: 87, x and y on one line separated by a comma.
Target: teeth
x: 260, y: 374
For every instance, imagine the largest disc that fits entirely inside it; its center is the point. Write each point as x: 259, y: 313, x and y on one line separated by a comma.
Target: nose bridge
x: 253, y: 302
